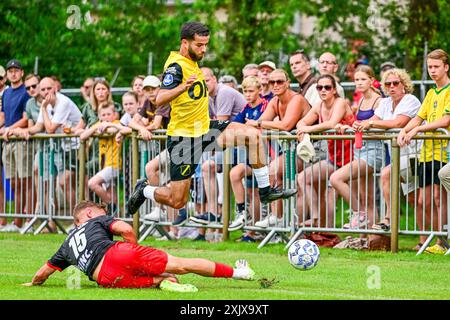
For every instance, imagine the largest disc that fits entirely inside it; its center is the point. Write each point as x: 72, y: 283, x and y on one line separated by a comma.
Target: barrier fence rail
x: 54, y: 171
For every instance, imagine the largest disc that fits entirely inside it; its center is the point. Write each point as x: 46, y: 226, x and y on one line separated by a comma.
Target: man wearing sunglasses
x: 34, y: 103
x: 16, y: 161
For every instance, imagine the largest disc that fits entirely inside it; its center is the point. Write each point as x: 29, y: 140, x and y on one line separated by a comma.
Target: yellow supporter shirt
x: 109, y: 151
x: 189, y: 115
x: 434, y: 107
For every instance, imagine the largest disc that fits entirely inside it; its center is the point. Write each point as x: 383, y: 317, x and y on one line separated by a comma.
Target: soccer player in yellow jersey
x: 435, y: 111
x: 190, y: 130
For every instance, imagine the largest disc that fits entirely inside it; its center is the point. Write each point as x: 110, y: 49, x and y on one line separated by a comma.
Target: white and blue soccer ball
x: 304, y: 254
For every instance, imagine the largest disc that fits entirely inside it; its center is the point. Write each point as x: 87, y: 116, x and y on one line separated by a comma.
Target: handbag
x: 323, y: 239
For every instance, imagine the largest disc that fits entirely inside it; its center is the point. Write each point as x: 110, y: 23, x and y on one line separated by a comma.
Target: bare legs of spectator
x: 276, y: 171
x: 238, y: 173
x: 302, y: 207
x: 386, y: 189
x: 67, y: 182
x: 435, y: 204
x: 386, y: 186
x: 96, y: 185
x: 51, y: 226
x: 209, y: 169
x: 361, y: 202
x: 22, y: 197
x: 313, y: 184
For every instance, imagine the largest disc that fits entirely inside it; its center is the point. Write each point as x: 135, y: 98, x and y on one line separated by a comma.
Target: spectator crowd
x: 326, y: 169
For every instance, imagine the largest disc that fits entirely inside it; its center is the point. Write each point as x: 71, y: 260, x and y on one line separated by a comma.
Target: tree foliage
x: 75, y: 39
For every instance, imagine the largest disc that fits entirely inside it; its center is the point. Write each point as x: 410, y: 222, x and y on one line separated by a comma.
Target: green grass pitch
x: 340, y: 274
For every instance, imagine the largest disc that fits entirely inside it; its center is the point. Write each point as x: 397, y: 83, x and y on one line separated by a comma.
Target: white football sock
x: 149, y: 192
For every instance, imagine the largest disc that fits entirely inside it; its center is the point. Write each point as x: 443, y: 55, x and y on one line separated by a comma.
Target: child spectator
x: 137, y: 87
x: 130, y: 102
x: 109, y: 155
x: 254, y: 108
x: 367, y: 160
x: 433, y: 156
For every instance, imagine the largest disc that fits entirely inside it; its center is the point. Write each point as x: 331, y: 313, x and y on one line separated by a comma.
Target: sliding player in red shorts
x: 116, y: 264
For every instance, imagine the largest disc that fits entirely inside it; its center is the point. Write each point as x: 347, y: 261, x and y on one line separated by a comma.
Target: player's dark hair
x: 192, y: 28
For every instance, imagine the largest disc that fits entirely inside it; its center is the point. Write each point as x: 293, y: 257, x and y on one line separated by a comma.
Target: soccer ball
x: 303, y: 254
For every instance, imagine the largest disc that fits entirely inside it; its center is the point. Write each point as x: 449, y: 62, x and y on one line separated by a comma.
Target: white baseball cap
x: 305, y: 149
x: 267, y: 63
x: 151, y: 81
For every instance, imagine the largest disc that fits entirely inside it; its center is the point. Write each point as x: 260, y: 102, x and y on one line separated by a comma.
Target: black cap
x: 14, y: 64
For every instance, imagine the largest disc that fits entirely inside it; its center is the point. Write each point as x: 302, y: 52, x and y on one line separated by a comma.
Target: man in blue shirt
x: 17, y: 160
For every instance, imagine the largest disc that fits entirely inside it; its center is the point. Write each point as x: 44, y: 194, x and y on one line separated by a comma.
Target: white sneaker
x: 157, y: 214
x: 269, y: 221
x: 239, y: 222
x: 10, y: 228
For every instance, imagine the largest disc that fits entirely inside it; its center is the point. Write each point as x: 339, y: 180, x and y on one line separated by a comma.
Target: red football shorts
x: 128, y: 265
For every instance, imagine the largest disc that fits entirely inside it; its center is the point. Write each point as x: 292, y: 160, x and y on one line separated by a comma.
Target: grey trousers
x: 444, y: 176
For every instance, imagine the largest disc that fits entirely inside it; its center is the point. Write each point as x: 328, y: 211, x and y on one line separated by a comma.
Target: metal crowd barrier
x: 56, y: 184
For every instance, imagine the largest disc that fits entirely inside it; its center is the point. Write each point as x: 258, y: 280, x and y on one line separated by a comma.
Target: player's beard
x: 193, y: 55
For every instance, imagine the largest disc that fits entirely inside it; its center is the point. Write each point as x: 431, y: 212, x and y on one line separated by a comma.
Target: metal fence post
x: 395, y: 190
x: 226, y: 192
x: 135, y: 176
x: 82, y: 170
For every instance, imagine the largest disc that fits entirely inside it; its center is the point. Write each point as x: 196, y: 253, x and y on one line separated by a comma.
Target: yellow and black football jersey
x: 189, y: 116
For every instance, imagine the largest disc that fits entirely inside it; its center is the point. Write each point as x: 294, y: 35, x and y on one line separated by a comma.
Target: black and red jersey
x: 85, y: 246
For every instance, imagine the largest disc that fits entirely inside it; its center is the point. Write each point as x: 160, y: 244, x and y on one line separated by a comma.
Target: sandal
x: 381, y: 226
x: 309, y: 223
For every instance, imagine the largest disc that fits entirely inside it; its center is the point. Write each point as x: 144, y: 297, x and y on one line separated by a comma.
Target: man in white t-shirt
x: 58, y: 112
x: 327, y: 65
